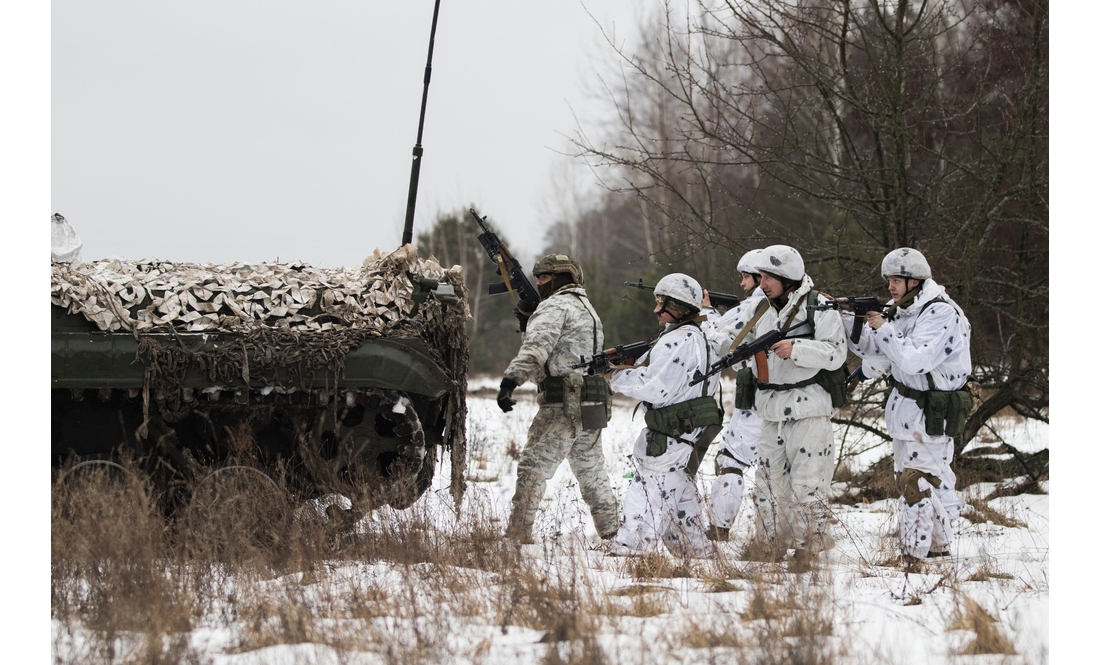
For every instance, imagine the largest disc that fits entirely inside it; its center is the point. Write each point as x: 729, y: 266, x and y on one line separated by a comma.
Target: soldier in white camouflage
x: 661, y: 509
x: 737, y: 445
x: 573, y: 408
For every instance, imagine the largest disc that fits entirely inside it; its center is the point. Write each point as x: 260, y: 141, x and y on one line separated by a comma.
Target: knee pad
x: 909, y: 486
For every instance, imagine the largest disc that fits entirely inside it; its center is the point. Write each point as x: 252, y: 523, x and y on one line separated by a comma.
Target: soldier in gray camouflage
x: 573, y: 408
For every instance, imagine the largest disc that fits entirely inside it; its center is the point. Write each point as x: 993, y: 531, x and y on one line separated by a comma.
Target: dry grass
x: 988, y: 639
x: 711, y: 635
x: 874, y: 484
x: 656, y: 566
x: 129, y: 585
x: 979, y: 510
x: 984, y: 573
x: 792, y: 623
x: 720, y: 585
x: 761, y: 549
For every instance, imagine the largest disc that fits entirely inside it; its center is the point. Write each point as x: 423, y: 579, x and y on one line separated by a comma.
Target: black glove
x: 504, y: 397
x: 524, y: 305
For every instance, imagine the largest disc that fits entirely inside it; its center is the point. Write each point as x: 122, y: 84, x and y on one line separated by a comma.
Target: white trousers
x: 737, y: 450
x: 726, y: 492
x: 661, y: 509
x: 792, y: 480
x: 926, y: 525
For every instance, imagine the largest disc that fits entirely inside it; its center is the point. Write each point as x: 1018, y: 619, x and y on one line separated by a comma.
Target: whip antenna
x: 418, y: 150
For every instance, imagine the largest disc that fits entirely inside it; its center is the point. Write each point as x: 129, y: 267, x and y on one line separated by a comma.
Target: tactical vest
x: 833, y: 381
x: 574, y: 388
x: 945, y: 411
x: 676, y: 420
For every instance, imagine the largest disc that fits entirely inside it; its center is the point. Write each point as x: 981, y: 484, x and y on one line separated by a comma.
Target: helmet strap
x: 676, y: 309
x: 906, y: 300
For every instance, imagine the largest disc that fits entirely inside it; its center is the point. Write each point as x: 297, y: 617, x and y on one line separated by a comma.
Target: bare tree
x: 848, y: 128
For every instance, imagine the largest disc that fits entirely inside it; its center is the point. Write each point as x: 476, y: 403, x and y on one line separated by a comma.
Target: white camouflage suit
x: 563, y: 328
x: 662, y: 504
x: 796, y: 448
x: 738, y: 442
x: 913, y: 344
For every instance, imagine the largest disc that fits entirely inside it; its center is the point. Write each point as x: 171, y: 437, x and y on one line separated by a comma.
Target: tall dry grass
x: 131, y: 585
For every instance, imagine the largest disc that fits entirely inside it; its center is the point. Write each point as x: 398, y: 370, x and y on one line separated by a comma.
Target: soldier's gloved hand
x: 504, y: 397
x: 524, y: 305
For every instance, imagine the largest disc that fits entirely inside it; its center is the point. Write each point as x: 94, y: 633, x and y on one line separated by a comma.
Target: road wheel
x: 238, y: 514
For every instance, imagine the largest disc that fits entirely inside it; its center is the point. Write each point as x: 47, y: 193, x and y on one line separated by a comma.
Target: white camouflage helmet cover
x: 748, y: 262
x: 781, y: 260
x: 681, y: 287
x: 906, y: 262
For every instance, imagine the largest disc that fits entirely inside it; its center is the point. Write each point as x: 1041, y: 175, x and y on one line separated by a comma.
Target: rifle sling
x: 508, y: 284
x: 761, y: 357
x: 760, y: 309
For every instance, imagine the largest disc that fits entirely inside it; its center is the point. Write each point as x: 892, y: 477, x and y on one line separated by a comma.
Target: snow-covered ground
x: 858, y: 606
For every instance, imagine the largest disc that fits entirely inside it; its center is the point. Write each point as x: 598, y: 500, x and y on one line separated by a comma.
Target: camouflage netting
x: 147, y: 296
x: 289, y: 319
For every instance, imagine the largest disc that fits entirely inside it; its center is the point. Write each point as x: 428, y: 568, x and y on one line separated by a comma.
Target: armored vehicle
x: 346, y: 382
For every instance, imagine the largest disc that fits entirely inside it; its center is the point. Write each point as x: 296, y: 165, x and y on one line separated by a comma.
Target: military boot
x: 718, y: 534
x: 801, y: 561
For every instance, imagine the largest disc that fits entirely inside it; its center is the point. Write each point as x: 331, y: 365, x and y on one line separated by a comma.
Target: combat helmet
x: 747, y: 264
x: 680, y: 294
x: 782, y: 261
x: 906, y: 262
x: 556, y: 264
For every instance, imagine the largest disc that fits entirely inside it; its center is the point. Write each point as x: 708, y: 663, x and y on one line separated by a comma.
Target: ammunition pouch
x: 834, y: 381
x: 745, y: 395
x: 656, y: 444
x: 574, y: 389
x: 676, y: 420
x: 945, y: 411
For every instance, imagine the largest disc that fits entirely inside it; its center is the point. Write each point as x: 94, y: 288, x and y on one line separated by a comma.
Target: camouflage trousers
x: 793, y: 476
x: 725, y: 499
x: 662, y: 511
x: 550, y: 441
x: 925, y: 527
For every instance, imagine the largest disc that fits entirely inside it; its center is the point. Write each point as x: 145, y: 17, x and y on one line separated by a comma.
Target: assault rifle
x: 720, y: 299
x: 602, y: 362
x: 524, y: 294
x: 859, y: 305
x: 746, y: 351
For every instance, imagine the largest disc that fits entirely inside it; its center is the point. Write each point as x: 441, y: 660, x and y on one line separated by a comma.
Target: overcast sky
x: 250, y: 131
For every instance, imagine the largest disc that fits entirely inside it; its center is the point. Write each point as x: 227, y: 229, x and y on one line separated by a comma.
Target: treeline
x: 626, y: 313
x: 845, y: 129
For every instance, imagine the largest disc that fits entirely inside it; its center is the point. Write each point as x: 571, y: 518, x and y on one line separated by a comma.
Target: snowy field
x: 859, y: 605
